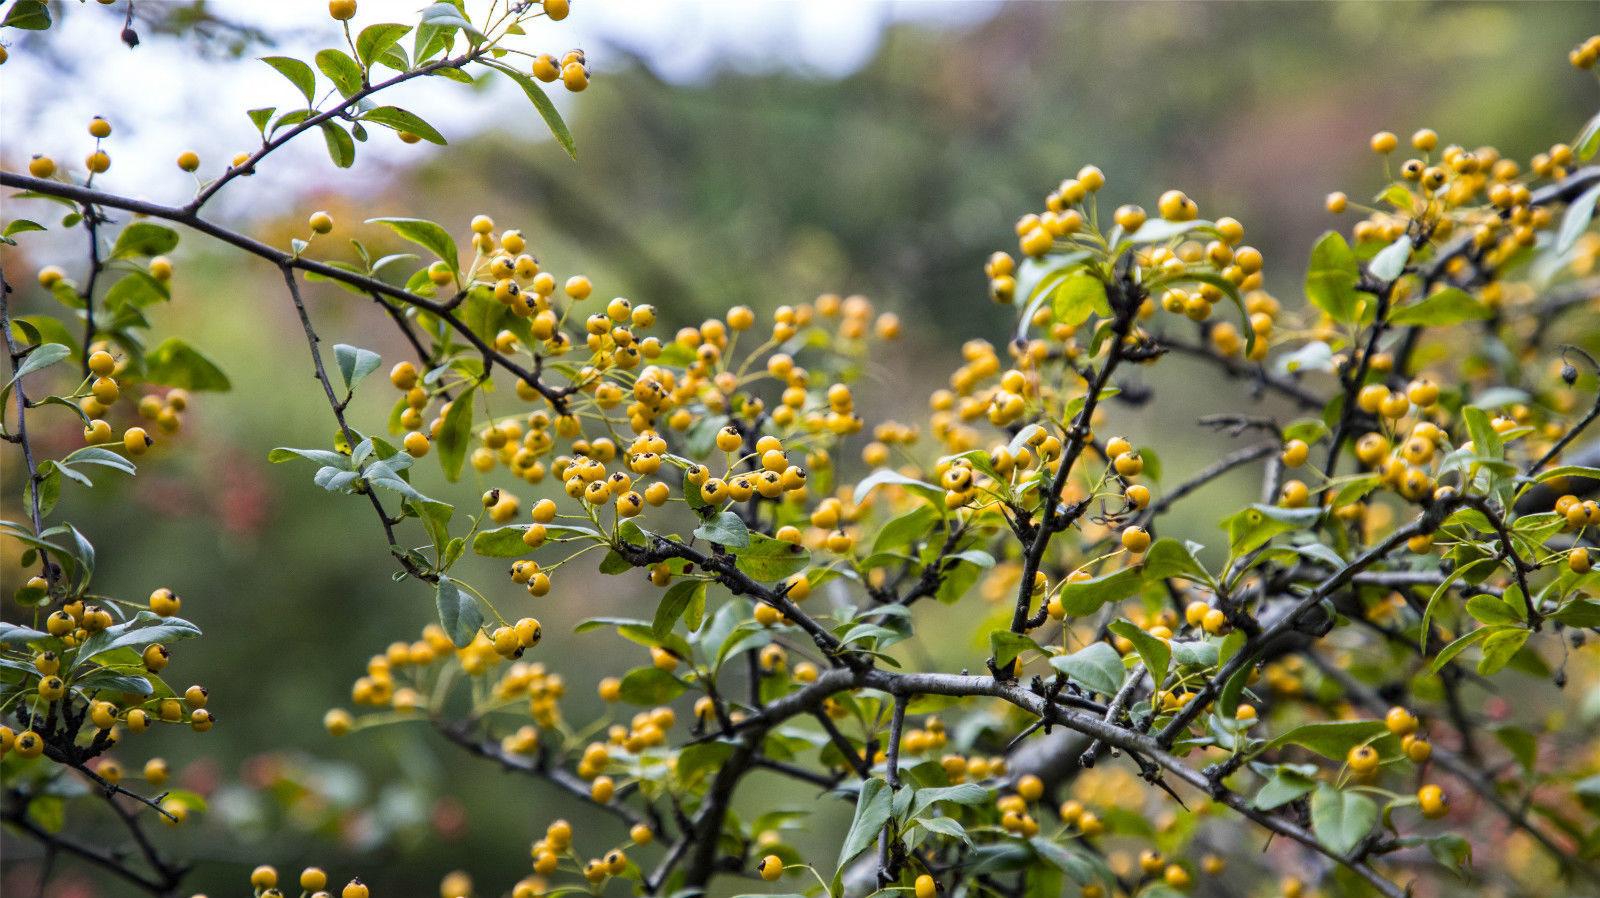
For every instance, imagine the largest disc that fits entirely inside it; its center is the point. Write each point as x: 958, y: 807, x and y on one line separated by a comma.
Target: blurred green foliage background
x: 744, y: 187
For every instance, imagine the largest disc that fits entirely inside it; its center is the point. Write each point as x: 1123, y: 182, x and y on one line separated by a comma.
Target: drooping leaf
x: 873, y: 807
x: 1155, y: 653
x: 425, y: 233
x: 541, y: 102
x: 455, y: 434
x: 458, y: 612
x: 676, y: 605
x: 298, y: 73
x: 402, y: 120
x: 177, y: 364
x: 341, y: 148
x: 144, y: 238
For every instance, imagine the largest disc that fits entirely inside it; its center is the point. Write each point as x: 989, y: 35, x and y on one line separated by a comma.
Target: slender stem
x: 17, y: 355
x: 338, y: 406
x: 556, y: 397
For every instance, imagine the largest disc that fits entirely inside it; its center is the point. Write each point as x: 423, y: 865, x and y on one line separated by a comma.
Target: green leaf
x: 1580, y: 612
x: 1170, y: 558
x: 45, y: 355
x: 1521, y: 743
x: 1331, y: 739
x: 1341, y: 819
x: 699, y: 757
x: 49, y: 486
x: 888, y: 475
x: 341, y: 149
x: 143, y: 629
x: 1331, y: 280
x: 965, y: 793
x: 320, y: 456
x: 680, y: 598
x: 177, y: 364
x: 298, y: 73
x: 1079, y: 296
x: 1285, y: 786
x: 22, y: 226
x: 1490, y: 610
x: 1588, y: 139
x: 458, y: 612
x: 1077, y: 863
x: 541, y: 102
x: 426, y: 234
x: 1007, y: 646
x: 41, y: 329
x: 1455, y: 648
x: 13, y: 634
x: 942, y: 826
x: 769, y: 560
x: 1485, y: 442
x: 1576, y: 220
x: 1254, y: 527
x: 95, y: 455
x: 355, y: 363
x: 138, y: 289
x: 401, y: 120
x: 260, y: 117
x: 1391, y: 260
x: 341, y: 70
x: 1451, y: 305
x: 29, y: 15
x: 455, y: 434
x: 446, y: 15
x: 1159, y: 230
x: 726, y: 529
x: 1097, y: 666
x: 1084, y: 597
x: 1452, y: 851
x: 1499, y: 649
x: 502, y: 542
x: 905, y: 529
x: 1156, y: 653
x: 873, y: 807
x: 375, y: 39
x: 144, y: 238
x: 650, y: 686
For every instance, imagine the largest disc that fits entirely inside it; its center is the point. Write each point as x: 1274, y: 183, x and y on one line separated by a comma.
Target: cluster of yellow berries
x: 1364, y: 760
x: 313, y: 881
x: 164, y: 411
x: 571, y: 69
x: 105, y: 714
x: 1479, y: 190
x: 412, y: 662
x: 556, y: 846
x: 97, y: 162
